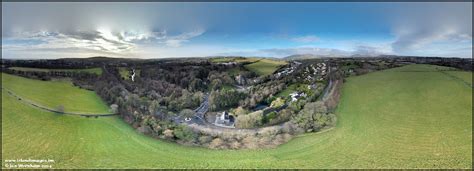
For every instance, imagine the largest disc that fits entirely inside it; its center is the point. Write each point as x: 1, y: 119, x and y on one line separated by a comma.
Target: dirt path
x: 31, y: 103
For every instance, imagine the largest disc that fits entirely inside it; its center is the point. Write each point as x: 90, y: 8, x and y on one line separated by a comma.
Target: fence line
x: 31, y: 103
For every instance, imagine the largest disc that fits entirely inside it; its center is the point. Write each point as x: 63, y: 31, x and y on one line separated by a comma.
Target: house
x: 225, y: 120
x: 295, y: 95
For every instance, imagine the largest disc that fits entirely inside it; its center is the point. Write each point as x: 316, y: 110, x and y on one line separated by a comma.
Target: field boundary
x: 31, y: 103
x: 443, y: 71
x: 458, y: 79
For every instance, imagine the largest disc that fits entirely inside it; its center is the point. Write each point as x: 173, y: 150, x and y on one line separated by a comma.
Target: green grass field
x: 55, y: 93
x: 466, y: 76
x: 386, y: 119
x: 125, y: 73
x: 290, y: 89
x: 97, y: 71
x: 265, y: 66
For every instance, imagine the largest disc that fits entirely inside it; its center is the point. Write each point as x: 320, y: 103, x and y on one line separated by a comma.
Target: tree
x: 278, y: 102
x: 154, y: 107
x: 250, y: 120
x: 240, y: 111
x: 186, y: 113
x: 185, y: 134
x: 314, y: 116
x: 114, y: 108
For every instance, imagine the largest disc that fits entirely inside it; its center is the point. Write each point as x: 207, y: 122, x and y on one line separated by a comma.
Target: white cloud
x: 446, y: 23
x: 361, y: 50
x: 103, y: 41
x: 176, y: 41
x: 305, y: 39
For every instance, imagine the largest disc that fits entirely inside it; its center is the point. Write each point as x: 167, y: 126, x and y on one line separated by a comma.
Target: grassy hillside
x: 386, y: 119
x: 97, y: 71
x: 55, y: 93
x: 466, y: 76
x: 264, y: 66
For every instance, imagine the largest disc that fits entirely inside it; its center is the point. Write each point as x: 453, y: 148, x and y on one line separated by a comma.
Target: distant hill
x: 313, y: 56
x: 305, y: 56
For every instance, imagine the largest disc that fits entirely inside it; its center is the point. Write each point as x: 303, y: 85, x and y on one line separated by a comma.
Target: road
x: 198, y: 117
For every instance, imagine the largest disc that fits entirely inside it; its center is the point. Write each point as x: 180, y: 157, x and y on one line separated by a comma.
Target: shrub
x: 314, y: 116
x: 239, y: 111
x: 216, y: 143
x: 184, y: 133
x: 278, y: 102
x: 250, y: 142
x: 250, y: 120
x: 235, y: 145
x: 268, y: 117
x: 186, y: 113
x: 168, y: 133
x: 203, y: 139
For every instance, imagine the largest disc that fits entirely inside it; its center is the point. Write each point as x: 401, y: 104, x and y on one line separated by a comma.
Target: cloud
x: 111, y: 28
x: 281, y: 52
x: 439, y: 23
x: 305, y: 39
x: 176, y: 41
x: 370, y: 51
x: 361, y: 50
x: 100, y: 41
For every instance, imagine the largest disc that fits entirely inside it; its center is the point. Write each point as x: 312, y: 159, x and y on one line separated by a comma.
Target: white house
x: 225, y: 120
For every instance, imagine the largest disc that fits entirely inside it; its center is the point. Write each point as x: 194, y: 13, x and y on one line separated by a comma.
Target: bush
x: 186, y: 113
x: 184, y: 133
x: 203, y: 139
x: 216, y: 143
x: 250, y: 120
x: 268, y: 117
x: 223, y: 99
x: 239, y: 111
x: 278, y: 102
x: 168, y: 133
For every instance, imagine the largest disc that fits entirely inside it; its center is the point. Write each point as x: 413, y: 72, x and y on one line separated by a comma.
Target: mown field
x: 97, y: 71
x: 265, y: 66
x: 53, y: 94
x: 387, y: 119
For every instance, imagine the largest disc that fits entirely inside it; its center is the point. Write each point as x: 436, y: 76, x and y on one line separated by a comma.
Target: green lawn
x: 290, y: 89
x: 385, y: 120
x: 422, y: 68
x: 126, y: 74
x: 466, y: 76
x: 55, y: 93
x: 265, y: 66
x: 97, y: 71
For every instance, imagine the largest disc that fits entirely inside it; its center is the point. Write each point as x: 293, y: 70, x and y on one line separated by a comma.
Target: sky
x: 279, y: 29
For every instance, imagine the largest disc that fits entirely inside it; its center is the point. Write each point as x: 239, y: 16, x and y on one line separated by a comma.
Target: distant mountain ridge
x: 313, y: 56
